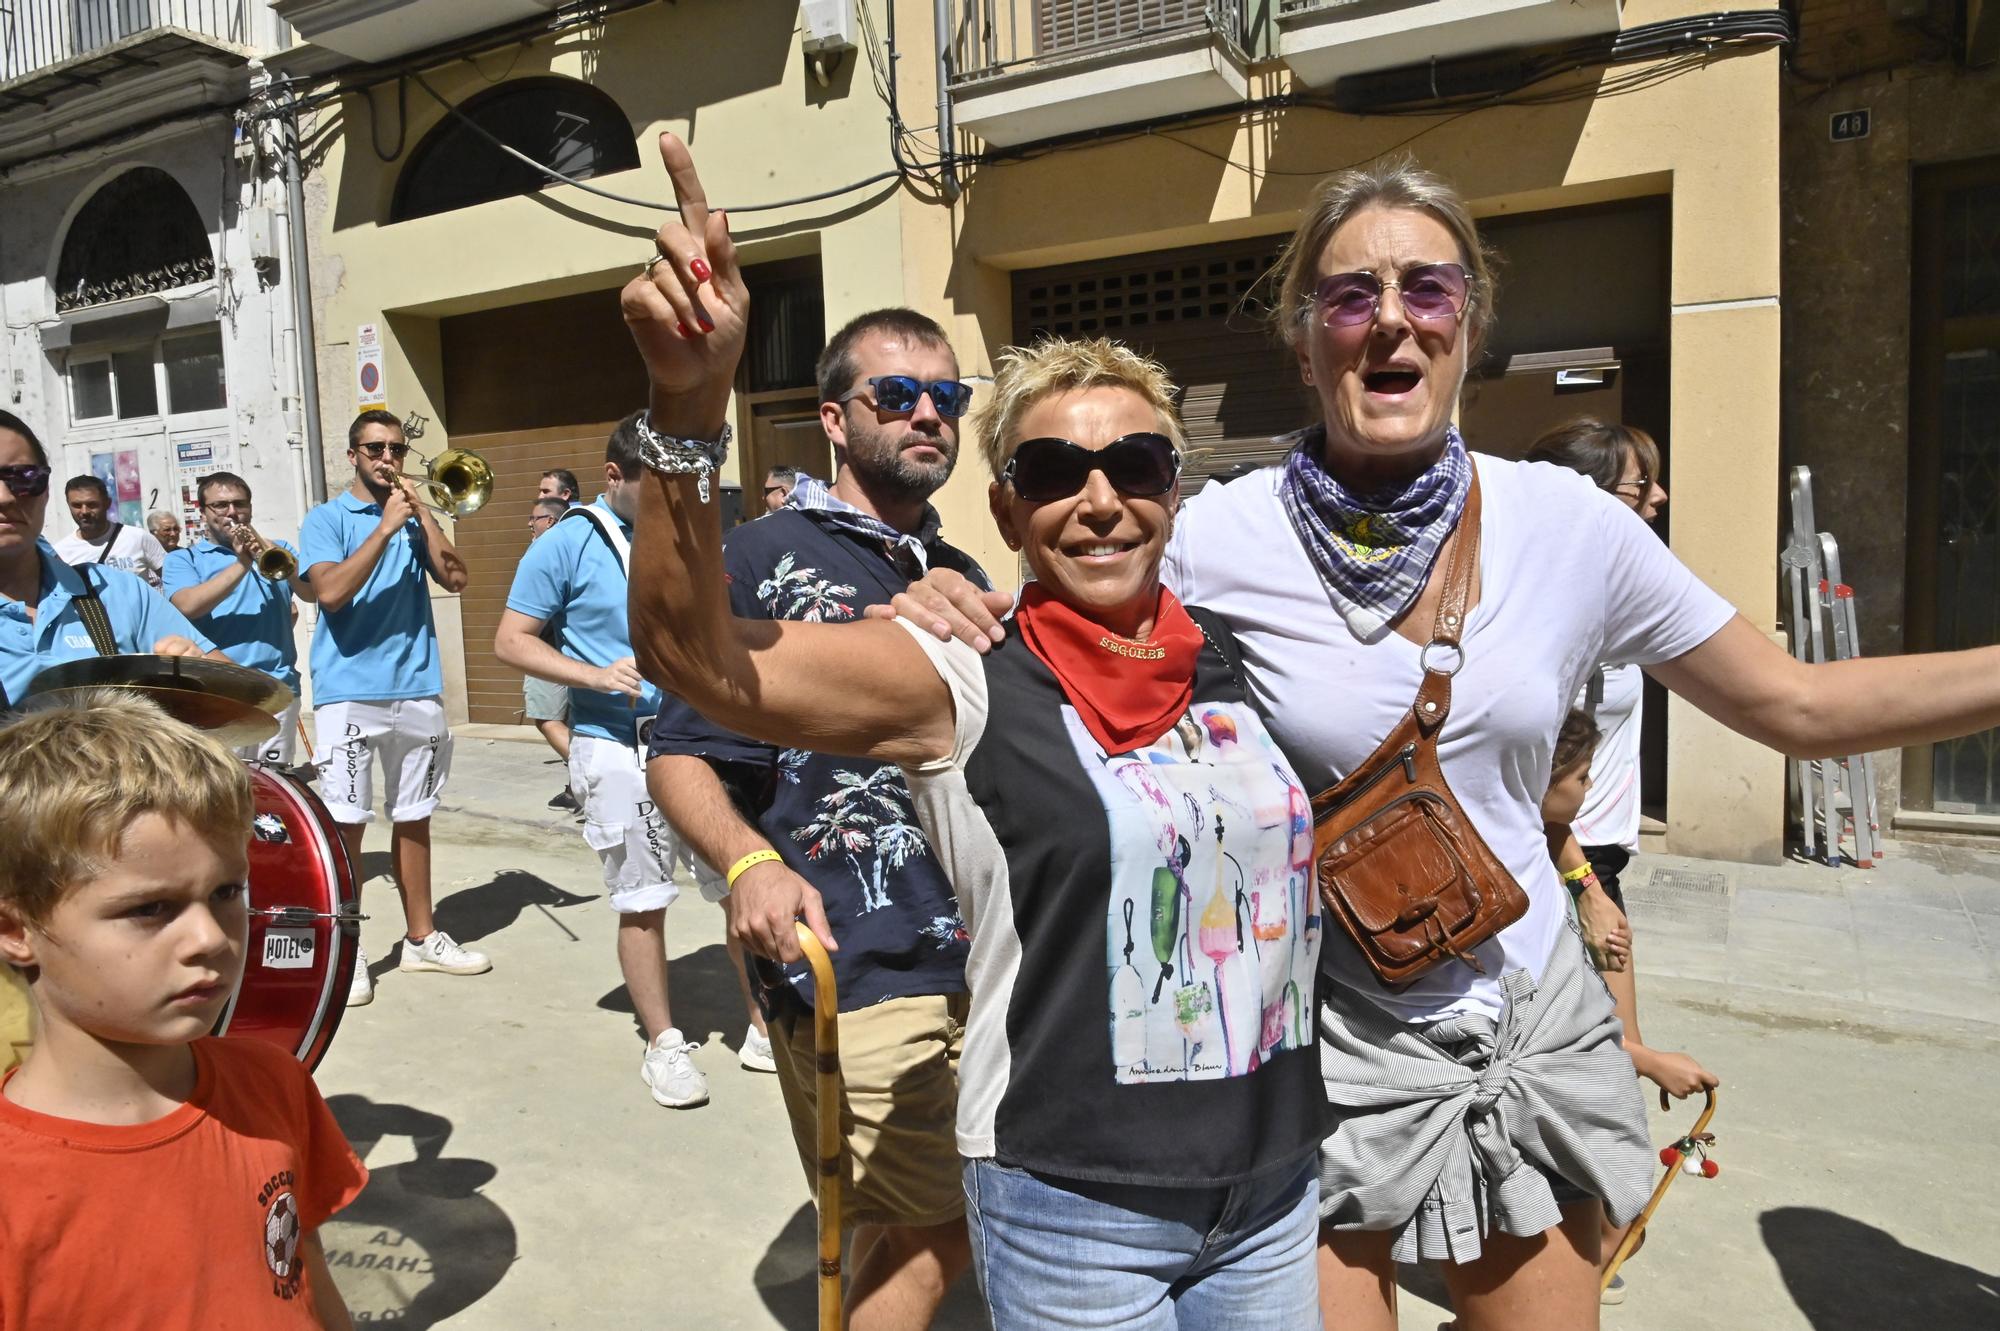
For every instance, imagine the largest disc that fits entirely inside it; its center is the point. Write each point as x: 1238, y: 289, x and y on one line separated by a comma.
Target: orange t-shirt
x: 191, y: 1221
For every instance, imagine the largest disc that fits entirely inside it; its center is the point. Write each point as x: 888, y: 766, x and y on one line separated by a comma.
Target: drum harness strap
x: 96, y: 622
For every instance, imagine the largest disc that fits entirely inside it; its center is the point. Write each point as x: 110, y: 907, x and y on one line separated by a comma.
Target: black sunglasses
x: 900, y: 392
x: 375, y: 450
x: 1141, y: 465
x: 25, y: 480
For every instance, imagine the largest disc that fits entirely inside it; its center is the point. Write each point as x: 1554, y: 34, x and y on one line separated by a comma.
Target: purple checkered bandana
x: 1374, y: 551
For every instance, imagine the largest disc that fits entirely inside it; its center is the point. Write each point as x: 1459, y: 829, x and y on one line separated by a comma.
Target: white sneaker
x: 440, y: 953
x: 1613, y: 1294
x: 756, y: 1052
x: 361, y: 990
x: 670, y: 1073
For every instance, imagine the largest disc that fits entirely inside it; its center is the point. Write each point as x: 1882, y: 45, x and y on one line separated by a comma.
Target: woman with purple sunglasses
x: 1139, y: 1106
x: 1487, y: 1118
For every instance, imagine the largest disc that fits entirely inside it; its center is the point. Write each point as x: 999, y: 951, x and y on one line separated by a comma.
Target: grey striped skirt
x: 1446, y: 1131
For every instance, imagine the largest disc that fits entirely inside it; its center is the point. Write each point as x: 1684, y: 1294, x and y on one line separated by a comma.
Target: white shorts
x: 645, y: 861
x: 415, y: 747
x: 281, y: 748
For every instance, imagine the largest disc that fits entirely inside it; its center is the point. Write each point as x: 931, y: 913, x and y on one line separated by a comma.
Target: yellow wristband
x: 1576, y: 875
x: 749, y: 862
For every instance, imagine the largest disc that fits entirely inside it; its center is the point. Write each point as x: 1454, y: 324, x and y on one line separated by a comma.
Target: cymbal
x: 237, y: 705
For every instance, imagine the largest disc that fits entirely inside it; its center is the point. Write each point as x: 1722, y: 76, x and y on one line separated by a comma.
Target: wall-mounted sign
x: 1848, y: 125
x: 371, y: 388
x: 195, y: 454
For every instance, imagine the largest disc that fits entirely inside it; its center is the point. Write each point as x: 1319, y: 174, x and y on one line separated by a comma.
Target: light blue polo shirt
x: 254, y: 622
x: 139, y: 618
x: 572, y: 571
x: 381, y: 646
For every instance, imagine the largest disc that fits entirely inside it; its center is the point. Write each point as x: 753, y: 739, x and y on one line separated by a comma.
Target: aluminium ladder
x: 1836, y: 795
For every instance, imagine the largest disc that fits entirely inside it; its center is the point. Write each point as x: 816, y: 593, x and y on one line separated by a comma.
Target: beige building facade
x: 1132, y: 181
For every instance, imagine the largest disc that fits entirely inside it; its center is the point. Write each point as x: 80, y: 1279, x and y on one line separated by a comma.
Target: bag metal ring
x: 1458, y: 658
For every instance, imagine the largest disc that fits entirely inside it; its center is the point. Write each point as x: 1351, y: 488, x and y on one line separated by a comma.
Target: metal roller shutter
x: 1201, y: 313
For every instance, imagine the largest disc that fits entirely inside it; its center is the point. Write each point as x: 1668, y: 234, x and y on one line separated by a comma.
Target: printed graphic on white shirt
x: 1214, y: 924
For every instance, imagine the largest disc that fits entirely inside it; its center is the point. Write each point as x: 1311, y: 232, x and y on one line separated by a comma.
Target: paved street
x: 523, y: 1178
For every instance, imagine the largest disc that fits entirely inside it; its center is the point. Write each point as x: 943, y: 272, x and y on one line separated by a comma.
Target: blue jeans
x: 1058, y: 1253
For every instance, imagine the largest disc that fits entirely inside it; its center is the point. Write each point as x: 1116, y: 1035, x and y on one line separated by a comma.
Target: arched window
x: 138, y: 234
x: 568, y: 126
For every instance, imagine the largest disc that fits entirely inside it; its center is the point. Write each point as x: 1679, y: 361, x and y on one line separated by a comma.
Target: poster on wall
x: 194, y: 459
x: 131, y: 511
x: 370, y: 384
x: 120, y: 473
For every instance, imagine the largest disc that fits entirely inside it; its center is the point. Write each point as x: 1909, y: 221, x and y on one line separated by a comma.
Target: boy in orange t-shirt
x: 150, y: 1177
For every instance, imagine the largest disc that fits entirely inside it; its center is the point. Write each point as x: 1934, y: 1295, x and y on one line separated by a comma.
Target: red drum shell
x: 295, y: 975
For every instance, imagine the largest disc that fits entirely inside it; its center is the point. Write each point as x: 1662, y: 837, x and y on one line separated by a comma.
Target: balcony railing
x: 992, y: 37
x: 35, y: 34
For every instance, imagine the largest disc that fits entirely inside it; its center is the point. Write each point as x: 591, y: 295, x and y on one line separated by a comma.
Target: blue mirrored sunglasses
x: 901, y: 392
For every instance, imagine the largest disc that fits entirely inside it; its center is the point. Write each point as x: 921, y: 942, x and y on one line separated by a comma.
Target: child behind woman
x: 1569, y: 782
x: 155, y: 1177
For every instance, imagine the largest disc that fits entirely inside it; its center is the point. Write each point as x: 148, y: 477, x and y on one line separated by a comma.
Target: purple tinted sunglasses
x: 26, y: 480
x: 1429, y: 291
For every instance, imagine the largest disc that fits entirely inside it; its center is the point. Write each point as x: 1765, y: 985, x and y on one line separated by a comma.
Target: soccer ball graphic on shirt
x: 281, y: 1236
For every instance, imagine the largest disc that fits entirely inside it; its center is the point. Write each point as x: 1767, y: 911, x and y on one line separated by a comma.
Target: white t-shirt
x: 1610, y: 813
x: 1569, y: 577
x: 133, y: 549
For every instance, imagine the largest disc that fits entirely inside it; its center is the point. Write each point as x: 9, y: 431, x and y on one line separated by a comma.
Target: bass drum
x: 305, y: 923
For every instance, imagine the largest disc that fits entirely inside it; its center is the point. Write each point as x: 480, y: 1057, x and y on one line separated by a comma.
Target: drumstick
x: 826, y: 1095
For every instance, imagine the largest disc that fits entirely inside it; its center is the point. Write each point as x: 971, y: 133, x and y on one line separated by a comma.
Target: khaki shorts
x: 899, y: 1079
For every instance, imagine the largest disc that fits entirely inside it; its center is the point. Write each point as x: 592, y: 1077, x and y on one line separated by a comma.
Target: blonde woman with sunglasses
x: 1139, y: 1106
x: 1486, y: 1116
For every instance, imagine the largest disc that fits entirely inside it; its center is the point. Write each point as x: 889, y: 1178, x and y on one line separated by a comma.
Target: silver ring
x: 1458, y: 658
x: 646, y: 269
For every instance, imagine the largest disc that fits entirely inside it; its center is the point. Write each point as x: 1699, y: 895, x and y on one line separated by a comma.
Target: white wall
x: 257, y: 434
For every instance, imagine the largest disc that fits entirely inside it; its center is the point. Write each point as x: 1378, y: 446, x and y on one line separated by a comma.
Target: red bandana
x: 1127, y: 693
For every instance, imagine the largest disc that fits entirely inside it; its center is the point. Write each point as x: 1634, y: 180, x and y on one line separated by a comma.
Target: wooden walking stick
x: 1679, y: 1158
x: 832, y: 1148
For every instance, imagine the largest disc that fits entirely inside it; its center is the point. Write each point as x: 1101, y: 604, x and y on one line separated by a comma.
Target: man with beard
x: 99, y: 540
x: 376, y: 679
x: 838, y: 840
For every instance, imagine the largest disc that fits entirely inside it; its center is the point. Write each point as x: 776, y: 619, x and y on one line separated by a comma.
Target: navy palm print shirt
x: 846, y: 825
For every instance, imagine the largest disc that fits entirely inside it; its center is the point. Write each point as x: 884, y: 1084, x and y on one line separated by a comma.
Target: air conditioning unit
x: 827, y: 26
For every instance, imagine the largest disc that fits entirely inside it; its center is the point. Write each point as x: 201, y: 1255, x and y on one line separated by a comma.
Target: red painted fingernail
x: 684, y: 330
x: 707, y: 324
x: 701, y: 270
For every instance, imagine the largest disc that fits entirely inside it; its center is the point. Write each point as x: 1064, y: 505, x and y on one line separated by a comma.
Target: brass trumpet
x: 273, y: 562
x: 457, y: 481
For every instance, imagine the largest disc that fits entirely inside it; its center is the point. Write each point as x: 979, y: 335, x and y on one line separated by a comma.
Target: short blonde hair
x: 1392, y: 182
x: 1026, y: 375
x: 76, y: 773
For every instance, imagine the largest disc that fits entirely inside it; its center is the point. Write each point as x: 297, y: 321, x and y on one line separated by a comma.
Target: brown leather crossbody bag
x: 1400, y: 864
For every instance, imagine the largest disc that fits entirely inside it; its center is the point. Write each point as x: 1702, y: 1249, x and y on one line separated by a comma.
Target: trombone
x: 457, y: 481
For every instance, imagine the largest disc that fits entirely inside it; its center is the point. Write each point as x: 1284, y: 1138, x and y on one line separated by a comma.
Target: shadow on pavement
x: 1843, y: 1273
x: 787, y: 1281
x: 472, y: 913
x: 421, y: 1243
x: 785, y: 1276
x: 703, y: 995
x: 1423, y: 1280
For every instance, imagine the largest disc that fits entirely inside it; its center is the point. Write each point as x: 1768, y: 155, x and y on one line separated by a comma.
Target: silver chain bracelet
x: 670, y: 455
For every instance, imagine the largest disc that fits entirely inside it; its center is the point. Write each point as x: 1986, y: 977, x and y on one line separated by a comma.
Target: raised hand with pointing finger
x: 688, y: 308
